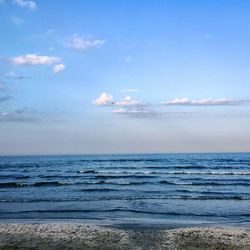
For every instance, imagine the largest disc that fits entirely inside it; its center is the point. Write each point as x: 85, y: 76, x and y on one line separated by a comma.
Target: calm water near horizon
x: 120, y: 189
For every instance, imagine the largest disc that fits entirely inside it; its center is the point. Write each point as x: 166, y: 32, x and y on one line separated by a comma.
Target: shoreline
x: 89, y: 236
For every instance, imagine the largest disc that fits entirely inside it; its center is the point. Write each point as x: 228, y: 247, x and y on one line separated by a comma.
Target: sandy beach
x: 80, y: 236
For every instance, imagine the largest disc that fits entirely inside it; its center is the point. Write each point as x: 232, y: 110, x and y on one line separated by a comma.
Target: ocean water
x: 155, y: 189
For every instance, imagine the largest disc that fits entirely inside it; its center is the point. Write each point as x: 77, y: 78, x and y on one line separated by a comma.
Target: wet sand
x: 80, y: 236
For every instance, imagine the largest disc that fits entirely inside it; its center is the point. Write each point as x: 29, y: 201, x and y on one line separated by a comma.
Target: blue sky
x: 124, y: 76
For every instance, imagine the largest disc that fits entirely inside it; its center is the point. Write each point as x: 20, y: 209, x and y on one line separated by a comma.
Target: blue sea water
x: 127, y: 189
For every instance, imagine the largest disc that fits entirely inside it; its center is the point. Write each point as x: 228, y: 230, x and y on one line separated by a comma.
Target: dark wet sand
x: 80, y: 236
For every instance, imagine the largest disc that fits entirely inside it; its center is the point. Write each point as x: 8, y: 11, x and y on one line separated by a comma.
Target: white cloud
x: 25, y: 3
x: 128, y: 101
x: 204, y: 102
x: 83, y: 44
x: 126, y: 106
x: 104, y: 99
x: 17, y: 20
x: 43, y: 35
x: 131, y: 111
x: 14, y: 75
x: 33, y: 59
x: 58, y: 68
x: 130, y: 90
x: 136, y: 112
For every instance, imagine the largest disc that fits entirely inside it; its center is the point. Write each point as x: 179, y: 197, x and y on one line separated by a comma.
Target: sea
x: 127, y: 189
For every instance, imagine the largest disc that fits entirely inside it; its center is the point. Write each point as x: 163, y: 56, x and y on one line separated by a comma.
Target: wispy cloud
x: 205, y: 102
x: 17, y: 116
x: 14, y: 75
x: 17, y: 20
x: 128, y: 58
x: 128, y: 101
x: 25, y: 115
x: 130, y: 90
x: 43, y: 35
x: 33, y: 59
x: 208, y: 36
x: 81, y: 43
x: 58, y: 68
x: 5, y: 98
x: 1, y: 86
x: 132, y: 107
x: 104, y: 99
x: 25, y: 4
x: 135, y: 112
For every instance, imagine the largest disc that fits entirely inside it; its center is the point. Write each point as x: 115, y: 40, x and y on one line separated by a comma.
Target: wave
x: 168, y: 182
x: 208, y: 173
x: 36, y: 184
x: 47, y: 183
x: 58, y: 183
x: 107, y: 180
x: 59, y: 176
x: 15, y: 176
x: 124, y: 176
x: 124, y: 160
x: 230, y: 179
x: 186, y: 167
x: 11, y: 184
x: 205, y: 183
x: 127, y: 172
x: 230, y: 160
x: 22, y: 177
x: 131, y: 198
x: 204, y: 197
x: 139, y: 171
x: 122, y: 172
x: 21, y: 165
x: 100, y: 190
x: 195, y: 167
x: 117, y: 210
x: 87, y: 171
x: 122, y: 182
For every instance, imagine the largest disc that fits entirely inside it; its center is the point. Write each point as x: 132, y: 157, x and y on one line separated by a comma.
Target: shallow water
x: 149, y: 188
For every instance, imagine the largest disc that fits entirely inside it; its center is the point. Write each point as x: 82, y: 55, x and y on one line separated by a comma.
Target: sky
x: 82, y: 77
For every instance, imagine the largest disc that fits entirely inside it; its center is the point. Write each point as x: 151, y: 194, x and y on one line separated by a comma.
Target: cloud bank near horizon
x: 206, y: 102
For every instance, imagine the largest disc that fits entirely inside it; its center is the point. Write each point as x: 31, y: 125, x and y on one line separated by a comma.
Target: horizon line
x: 145, y: 153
